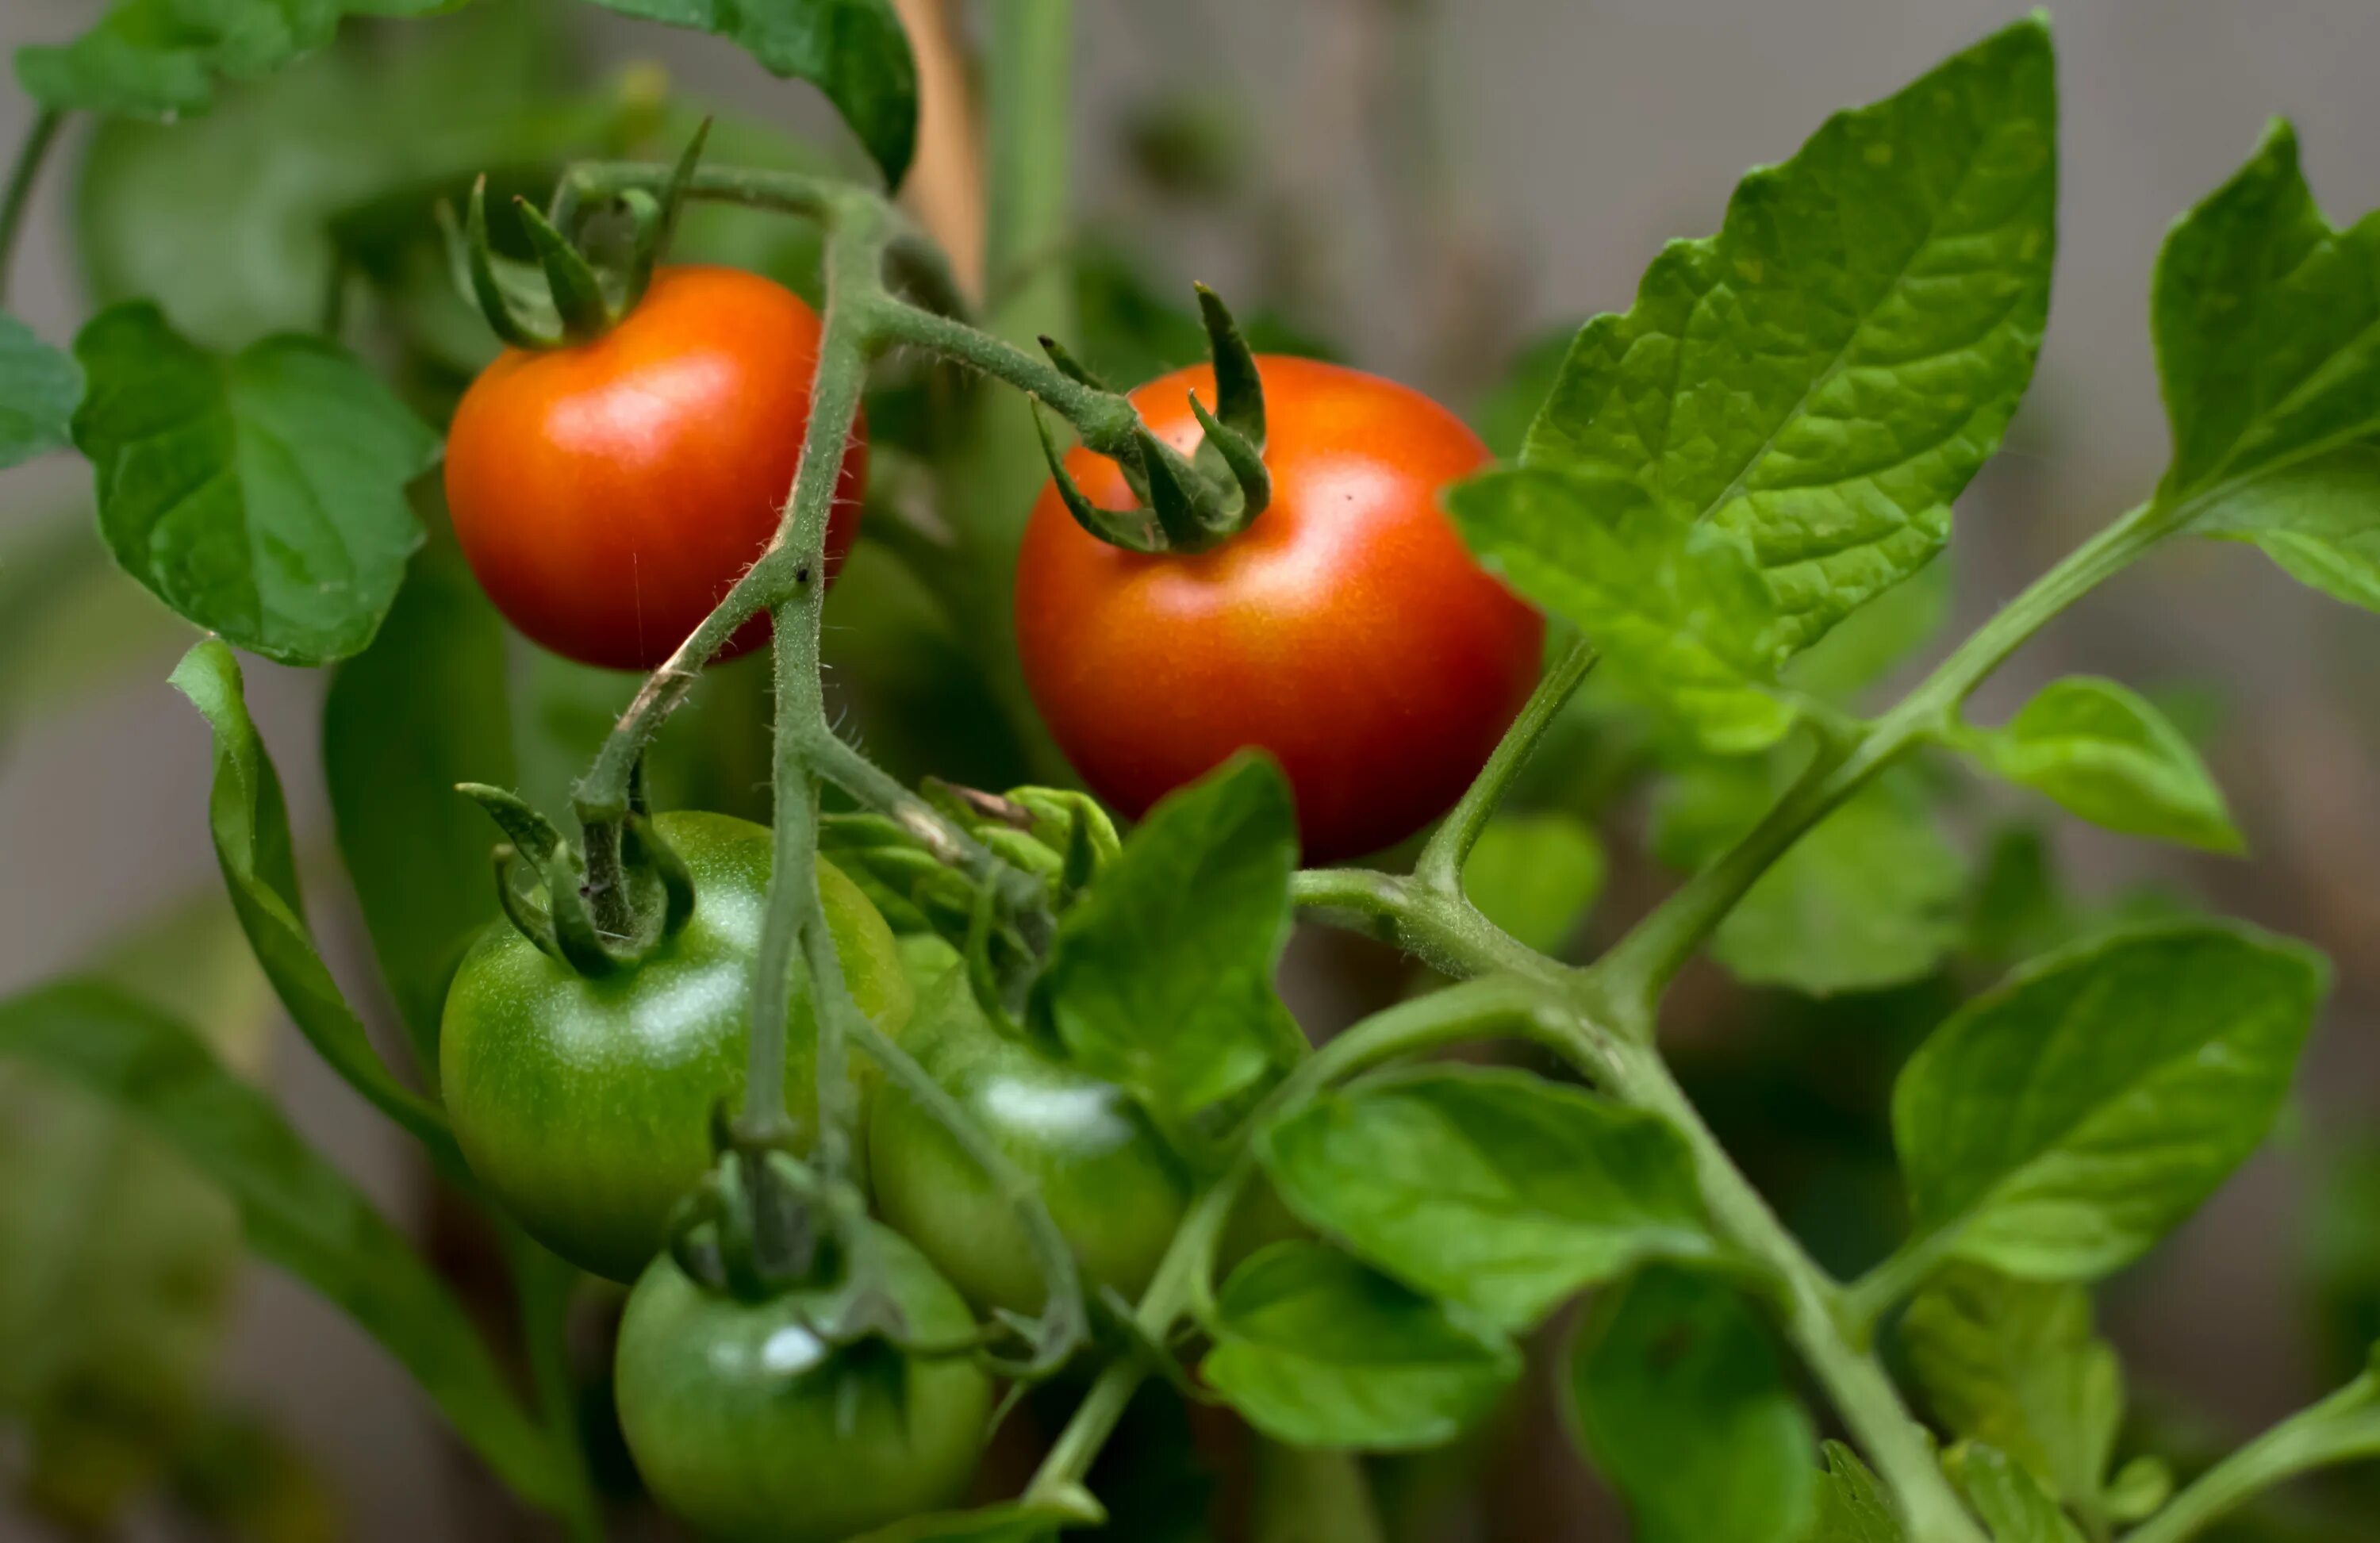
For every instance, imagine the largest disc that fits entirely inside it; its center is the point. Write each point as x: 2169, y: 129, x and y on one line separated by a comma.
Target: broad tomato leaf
x: 1825, y: 374
x: 1495, y: 1190
x: 2057, y: 1127
x: 421, y: 709
x: 250, y: 821
x: 853, y: 50
x: 164, y: 58
x: 1161, y: 978
x: 1869, y: 644
x: 2014, y: 1363
x: 39, y: 389
x: 2105, y: 752
x: 2012, y: 1502
x: 1317, y: 1350
x: 1536, y: 875
x: 1679, y: 1401
x: 1853, y: 1507
x: 262, y: 495
x: 1681, y: 613
x: 1870, y: 897
x: 297, y: 1210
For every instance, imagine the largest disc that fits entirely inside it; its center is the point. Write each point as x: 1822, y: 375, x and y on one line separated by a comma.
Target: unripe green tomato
x: 746, y: 1425
x: 1111, y: 1184
x: 584, y: 1105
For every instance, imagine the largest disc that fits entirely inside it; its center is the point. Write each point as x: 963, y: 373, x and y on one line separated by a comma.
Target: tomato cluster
x: 607, y: 494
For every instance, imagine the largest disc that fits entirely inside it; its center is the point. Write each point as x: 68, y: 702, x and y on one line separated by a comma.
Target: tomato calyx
x: 1182, y: 503
x: 564, y: 299
x: 599, y: 916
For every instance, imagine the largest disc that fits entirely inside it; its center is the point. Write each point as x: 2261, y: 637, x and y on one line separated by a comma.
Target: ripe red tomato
x: 608, y: 494
x: 1347, y: 631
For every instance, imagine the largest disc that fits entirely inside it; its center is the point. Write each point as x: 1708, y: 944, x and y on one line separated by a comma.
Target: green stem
x: 793, y: 906
x: 31, y: 153
x: 1446, y: 932
x: 1440, y: 864
x: 1105, y: 421
x: 2344, y: 1427
x: 1641, y: 965
x: 1028, y: 102
x: 1866, y: 1300
x: 1809, y: 1305
x: 1477, y: 1010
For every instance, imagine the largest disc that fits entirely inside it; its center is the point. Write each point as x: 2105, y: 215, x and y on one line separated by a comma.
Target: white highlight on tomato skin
x: 1088, y: 1113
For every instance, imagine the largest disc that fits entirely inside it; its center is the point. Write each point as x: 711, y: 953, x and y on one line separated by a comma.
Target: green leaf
x: 1826, y: 374
x: 2011, y: 1503
x: 1853, y: 1507
x: 1679, y: 1402
x: 1536, y: 876
x: 73, y: 627
x: 2105, y: 753
x: 2014, y: 1363
x: 1317, y: 1350
x: 1681, y: 618
x: 853, y: 50
x: 110, y: 1329
x: 39, y: 388
x: 250, y: 822
x: 2320, y: 520
x: 297, y: 1209
x: 1161, y: 978
x: 263, y: 495
x: 1873, y: 641
x: 1870, y: 897
x: 1495, y: 1190
x: 2267, y: 324
x: 2057, y: 1127
x: 164, y: 58
x: 421, y: 709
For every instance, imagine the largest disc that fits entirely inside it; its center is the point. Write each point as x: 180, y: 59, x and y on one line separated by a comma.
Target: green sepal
x: 1242, y: 460
x: 487, y: 285
x: 641, y: 844
x: 524, y: 914
x: 655, y: 218
x: 522, y: 825
x: 1174, y: 486
x: 577, y: 292
x: 1069, y: 366
x: 1133, y: 531
x: 1239, y: 393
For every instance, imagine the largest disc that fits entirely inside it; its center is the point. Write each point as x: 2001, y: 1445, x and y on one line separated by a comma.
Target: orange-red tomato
x: 608, y: 494
x: 1347, y: 631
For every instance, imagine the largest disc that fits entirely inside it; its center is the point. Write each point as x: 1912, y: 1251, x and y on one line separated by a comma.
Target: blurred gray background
x: 1517, y: 168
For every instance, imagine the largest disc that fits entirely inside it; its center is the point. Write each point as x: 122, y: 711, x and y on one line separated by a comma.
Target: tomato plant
x: 1864, y: 1176
x: 1152, y: 668
x: 608, y: 492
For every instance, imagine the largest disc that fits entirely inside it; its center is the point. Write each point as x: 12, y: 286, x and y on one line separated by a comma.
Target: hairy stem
x: 31, y: 153
x: 1440, y: 864
x: 1105, y: 421
x: 2344, y: 1427
x: 1641, y: 965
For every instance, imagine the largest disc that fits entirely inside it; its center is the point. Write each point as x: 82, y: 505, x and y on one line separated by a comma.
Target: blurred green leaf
x: 1679, y: 1402
x: 1868, y: 644
x: 73, y: 627
x: 423, y: 709
x: 2319, y: 520
x: 1161, y: 978
x: 2057, y: 1127
x: 1497, y: 1191
x: 853, y: 50
x: 297, y: 1210
x: 262, y: 495
x: 1824, y: 375
x: 1317, y: 1350
x: 164, y: 58
x: 1536, y: 876
x: 2105, y: 753
x: 2014, y: 1363
x: 39, y: 388
x: 1853, y: 1507
x: 250, y: 821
